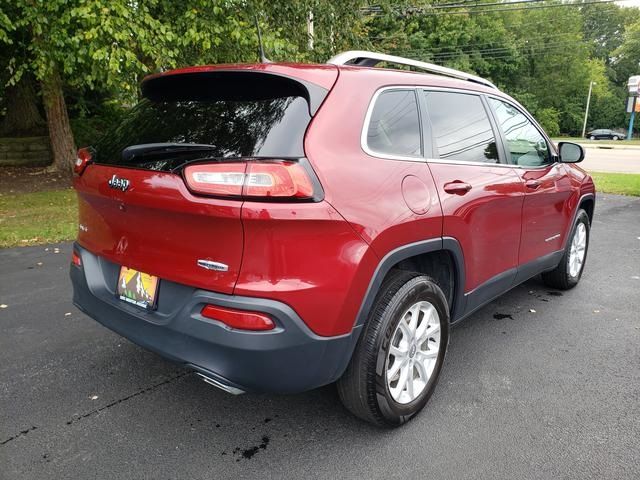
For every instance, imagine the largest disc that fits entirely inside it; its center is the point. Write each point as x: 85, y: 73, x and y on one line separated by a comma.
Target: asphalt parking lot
x: 537, y: 385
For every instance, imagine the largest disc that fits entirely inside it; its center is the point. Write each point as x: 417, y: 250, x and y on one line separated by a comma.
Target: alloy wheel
x: 413, y: 352
x: 577, y: 250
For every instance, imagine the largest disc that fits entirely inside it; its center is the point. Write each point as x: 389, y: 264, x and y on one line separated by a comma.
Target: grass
x: 634, y: 141
x: 620, y: 183
x: 39, y: 217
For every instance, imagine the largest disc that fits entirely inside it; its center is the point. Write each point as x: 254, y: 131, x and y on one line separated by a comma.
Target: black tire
x: 592, y: 137
x: 363, y: 387
x: 560, y: 277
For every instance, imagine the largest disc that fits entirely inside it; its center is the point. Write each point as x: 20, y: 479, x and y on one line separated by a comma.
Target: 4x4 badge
x: 118, y: 183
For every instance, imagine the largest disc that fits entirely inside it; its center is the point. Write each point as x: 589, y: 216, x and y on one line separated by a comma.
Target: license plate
x: 137, y: 287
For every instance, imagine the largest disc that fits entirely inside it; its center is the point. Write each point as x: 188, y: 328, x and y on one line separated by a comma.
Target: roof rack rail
x: 363, y: 58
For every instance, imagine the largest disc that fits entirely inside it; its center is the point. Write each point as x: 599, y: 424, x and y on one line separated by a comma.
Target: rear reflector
x: 75, y: 259
x: 240, y: 319
x: 84, y: 157
x: 251, y: 179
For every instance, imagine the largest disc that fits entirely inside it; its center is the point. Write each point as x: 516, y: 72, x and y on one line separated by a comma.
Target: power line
x: 494, y: 10
x: 606, y: 15
x: 528, y: 24
x: 482, y: 5
x: 499, y: 49
x: 470, y: 9
x: 458, y: 3
x: 498, y: 54
x: 497, y: 41
x: 377, y: 10
x: 532, y: 53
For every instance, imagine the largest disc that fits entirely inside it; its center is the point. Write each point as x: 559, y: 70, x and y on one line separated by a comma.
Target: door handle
x: 457, y: 187
x: 532, y: 184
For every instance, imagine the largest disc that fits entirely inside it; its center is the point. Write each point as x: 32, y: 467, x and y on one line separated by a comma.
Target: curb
x: 611, y: 147
x: 604, y: 146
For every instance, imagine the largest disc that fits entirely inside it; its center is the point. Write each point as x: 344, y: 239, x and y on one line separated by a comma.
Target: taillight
x: 251, y: 179
x: 225, y: 179
x: 84, y: 157
x: 283, y: 179
x: 75, y: 259
x: 238, y: 319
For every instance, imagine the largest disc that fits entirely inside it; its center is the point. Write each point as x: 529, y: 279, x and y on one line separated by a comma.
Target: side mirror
x: 570, y: 152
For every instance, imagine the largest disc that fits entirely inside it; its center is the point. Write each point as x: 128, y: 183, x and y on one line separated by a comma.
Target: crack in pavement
x: 128, y: 397
x: 105, y: 407
x: 20, y: 434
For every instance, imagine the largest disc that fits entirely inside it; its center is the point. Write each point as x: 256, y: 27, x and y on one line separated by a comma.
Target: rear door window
x: 229, y: 128
x: 394, y: 125
x: 525, y: 144
x: 461, y: 128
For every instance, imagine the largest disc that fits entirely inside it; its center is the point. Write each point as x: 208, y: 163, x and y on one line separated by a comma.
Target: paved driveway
x: 545, y: 395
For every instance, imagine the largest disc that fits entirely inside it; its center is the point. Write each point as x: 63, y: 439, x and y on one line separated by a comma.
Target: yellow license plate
x: 138, y: 288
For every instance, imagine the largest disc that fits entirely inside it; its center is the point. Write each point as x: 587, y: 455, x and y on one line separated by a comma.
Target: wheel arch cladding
x: 444, y: 252
x: 587, y: 203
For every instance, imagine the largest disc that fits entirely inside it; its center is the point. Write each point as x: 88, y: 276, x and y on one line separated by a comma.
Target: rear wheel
x: 399, y: 355
x: 568, y: 272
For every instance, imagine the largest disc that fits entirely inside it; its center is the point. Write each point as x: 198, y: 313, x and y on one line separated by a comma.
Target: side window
x: 525, y: 144
x: 394, y: 126
x: 461, y: 127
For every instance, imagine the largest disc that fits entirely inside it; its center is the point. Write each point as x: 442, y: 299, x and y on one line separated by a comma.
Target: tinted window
x: 233, y: 128
x: 525, y: 144
x: 461, y: 127
x: 394, y: 127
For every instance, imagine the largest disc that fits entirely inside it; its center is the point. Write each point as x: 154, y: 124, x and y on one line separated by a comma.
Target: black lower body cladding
x: 288, y: 359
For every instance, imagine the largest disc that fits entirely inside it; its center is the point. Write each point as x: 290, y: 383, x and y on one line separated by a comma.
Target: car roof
x: 394, y: 76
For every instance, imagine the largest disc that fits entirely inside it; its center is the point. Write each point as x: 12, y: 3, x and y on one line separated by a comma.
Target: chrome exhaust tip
x: 220, y: 385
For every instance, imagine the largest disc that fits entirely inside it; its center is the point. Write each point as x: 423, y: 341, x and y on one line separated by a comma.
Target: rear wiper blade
x: 161, y: 149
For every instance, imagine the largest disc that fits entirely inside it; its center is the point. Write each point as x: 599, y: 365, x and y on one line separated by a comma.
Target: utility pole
x: 586, y: 112
x: 633, y: 117
x: 632, y: 87
x: 310, y: 30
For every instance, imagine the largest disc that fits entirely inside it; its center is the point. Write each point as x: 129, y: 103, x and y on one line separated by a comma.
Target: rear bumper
x: 288, y: 359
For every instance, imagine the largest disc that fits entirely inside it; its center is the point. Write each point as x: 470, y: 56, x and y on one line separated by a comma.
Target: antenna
x: 263, y: 58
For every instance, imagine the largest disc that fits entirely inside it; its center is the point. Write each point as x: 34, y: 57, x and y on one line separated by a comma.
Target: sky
x: 629, y: 3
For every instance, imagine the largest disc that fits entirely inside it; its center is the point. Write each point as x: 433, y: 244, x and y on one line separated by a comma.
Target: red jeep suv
x: 278, y: 227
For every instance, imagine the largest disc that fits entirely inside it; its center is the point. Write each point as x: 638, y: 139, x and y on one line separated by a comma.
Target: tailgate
x: 136, y: 209
x: 157, y: 226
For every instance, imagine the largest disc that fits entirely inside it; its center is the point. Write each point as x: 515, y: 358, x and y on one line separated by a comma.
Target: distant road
x: 612, y: 160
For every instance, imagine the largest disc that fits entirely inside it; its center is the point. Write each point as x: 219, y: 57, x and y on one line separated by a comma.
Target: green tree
x: 113, y: 43
x: 628, y: 53
x: 80, y: 42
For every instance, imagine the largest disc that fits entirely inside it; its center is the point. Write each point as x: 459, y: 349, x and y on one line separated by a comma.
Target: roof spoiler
x: 230, y: 84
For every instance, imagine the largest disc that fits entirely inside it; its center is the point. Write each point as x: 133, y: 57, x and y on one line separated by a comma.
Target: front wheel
x: 592, y: 137
x: 568, y: 272
x: 399, y: 355
x: 616, y: 138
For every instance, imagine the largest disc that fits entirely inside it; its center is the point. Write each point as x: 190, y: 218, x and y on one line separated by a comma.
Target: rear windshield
x: 230, y: 128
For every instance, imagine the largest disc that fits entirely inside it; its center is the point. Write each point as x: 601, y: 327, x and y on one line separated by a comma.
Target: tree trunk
x: 23, y: 117
x: 63, y: 146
